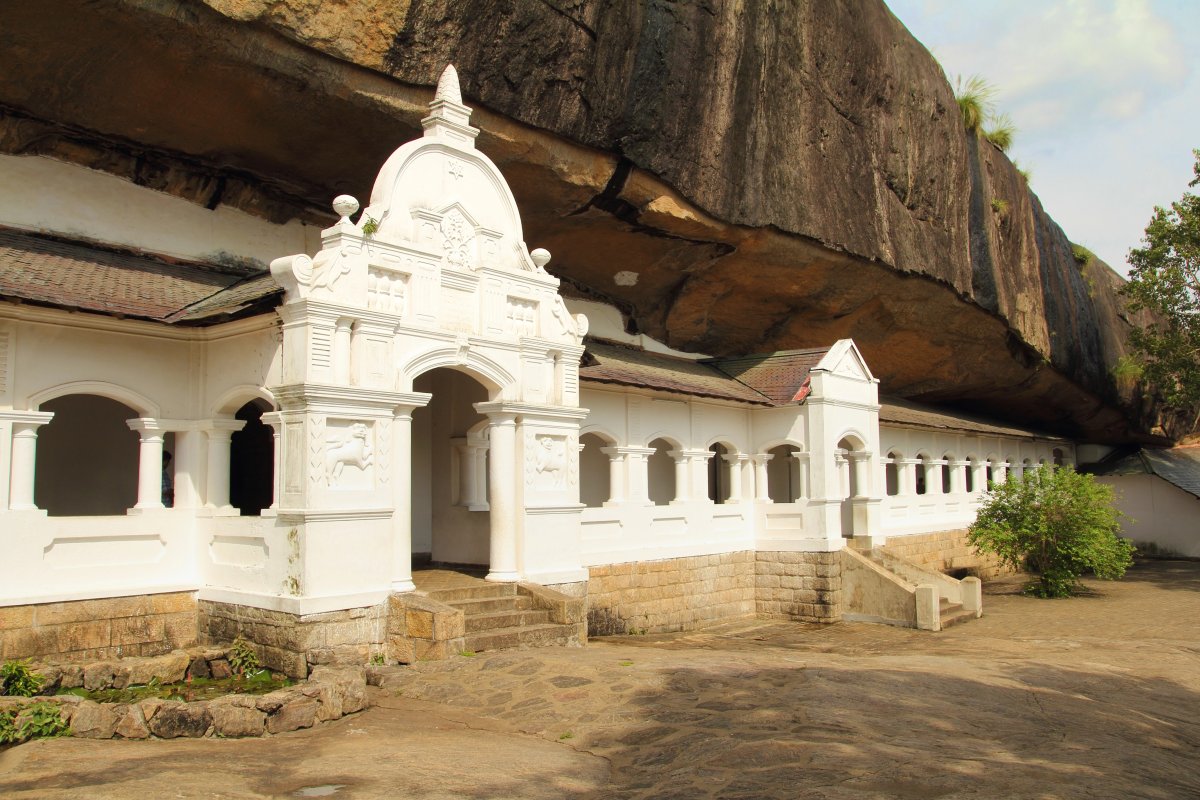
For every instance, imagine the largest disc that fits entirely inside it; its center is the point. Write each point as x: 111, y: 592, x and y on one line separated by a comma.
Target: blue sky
x: 1105, y: 95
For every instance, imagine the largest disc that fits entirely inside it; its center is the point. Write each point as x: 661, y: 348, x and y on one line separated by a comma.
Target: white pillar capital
x: 24, y: 456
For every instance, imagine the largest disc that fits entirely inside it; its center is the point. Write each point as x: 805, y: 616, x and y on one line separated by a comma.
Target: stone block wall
x: 948, y: 552
x: 806, y: 587
x: 292, y: 643
x: 670, y: 595
x: 89, y: 630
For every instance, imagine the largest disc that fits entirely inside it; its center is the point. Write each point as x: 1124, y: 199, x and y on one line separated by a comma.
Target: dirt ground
x: 1093, y: 697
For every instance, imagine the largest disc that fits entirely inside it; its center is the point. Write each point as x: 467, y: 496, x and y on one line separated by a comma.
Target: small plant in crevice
x: 567, y: 735
x: 1001, y: 131
x: 242, y: 657
x: 1082, y: 255
x: 467, y: 653
x: 377, y: 660
x: 17, y: 679
x: 370, y: 227
x: 1000, y: 206
x: 974, y: 97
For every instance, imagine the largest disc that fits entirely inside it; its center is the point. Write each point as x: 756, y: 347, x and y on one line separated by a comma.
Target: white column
x: 906, y: 476
x: 637, y: 472
x: 979, y: 476
x: 860, y: 460
x: 189, y: 468
x: 24, y: 458
x: 1000, y: 472
x: 682, y: 478
x: 478, y: 445
x: 933, y: 476
x: 402, y: 499
x: 762, y: 489
x: 698, y: 470
x: 733, y: 462
x: 958, y: 476
x: 801, y: 490
x: 616, y: 475
x: 275, y: 420
x: 150, y: 456
x: 842, y: 464
x: 502, y: 497
x: 219, y: 431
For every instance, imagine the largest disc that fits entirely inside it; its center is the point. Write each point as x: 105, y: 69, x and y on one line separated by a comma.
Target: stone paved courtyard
x: 1093, y: 697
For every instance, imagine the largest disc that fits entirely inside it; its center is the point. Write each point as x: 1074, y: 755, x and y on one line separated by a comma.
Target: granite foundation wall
x: 90, y: 630
x: 292, y: 643
x: 948, y: 552
x: 806, y: 587
x: 675, y: 594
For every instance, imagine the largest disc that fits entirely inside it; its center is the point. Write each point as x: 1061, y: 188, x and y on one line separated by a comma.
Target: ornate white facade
x: 421, y: 387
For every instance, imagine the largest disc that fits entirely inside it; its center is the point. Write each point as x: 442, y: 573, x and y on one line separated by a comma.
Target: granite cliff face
x: 776, y: 174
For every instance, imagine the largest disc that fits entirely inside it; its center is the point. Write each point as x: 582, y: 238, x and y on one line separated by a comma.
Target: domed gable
x: 440, y: 246
x: 440, y: 190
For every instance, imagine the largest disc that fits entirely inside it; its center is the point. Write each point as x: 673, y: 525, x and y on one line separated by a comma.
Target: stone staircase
x: 454, y: 610
x: 881, y: 586
x: 500, y: 616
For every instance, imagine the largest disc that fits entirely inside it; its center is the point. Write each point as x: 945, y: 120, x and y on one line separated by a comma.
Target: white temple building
x: 408, y: 388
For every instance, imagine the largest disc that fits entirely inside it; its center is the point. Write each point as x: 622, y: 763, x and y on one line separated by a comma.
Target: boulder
x: 293, y: 715
x: 175, y: 720
x: 99, y: 675
x: 71, y: 676
x: 220, y: 669
x: 132, y: 723
x: 94, y: 720
x: 236, y: 716
x: 199, y: 668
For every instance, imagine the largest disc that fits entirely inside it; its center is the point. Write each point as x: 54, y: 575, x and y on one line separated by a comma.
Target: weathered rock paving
x: 1092, y: 697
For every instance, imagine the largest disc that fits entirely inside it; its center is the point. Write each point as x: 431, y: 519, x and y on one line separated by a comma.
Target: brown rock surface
x: 94, y: 720
x: 777, y: 179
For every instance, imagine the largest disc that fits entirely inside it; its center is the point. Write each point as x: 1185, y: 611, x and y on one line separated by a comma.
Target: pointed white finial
x: 448, y: 88
x: 449, y: 120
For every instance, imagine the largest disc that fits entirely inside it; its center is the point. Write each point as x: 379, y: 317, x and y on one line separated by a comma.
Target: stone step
x: 954, y: 614
x: 499, y: 620
x: 486, y: 605
x: 548, y: 635
x: 480, y: 590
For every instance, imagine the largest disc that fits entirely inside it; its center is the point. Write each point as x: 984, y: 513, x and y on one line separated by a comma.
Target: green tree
x: 1165, y: 280
x: 1057, y: 523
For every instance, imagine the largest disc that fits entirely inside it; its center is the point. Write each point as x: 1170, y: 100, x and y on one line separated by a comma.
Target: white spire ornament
x: 448, y: 118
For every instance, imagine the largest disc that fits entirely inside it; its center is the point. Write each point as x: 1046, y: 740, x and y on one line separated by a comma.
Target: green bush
x: 242, y: 657
x: 38, y: 721
x: 18, y: 680
x: 1058, y: 524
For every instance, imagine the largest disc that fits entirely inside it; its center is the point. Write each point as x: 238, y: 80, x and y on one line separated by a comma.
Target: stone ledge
x: 329, y: 693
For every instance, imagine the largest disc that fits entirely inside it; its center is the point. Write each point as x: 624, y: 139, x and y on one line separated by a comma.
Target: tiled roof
x: 44, y: 269
x: 906, y: 413
x: 606, y: 362
x: 1179, y: 466
x: 782, y: 376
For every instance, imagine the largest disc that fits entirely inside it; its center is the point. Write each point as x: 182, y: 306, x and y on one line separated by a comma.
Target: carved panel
x: 316, y: 450
x: 348, y: 455
x: 387, y: 291
x: 383, y: 449
x: 546, y: 461
x: 458, y: 240
x: 294, y: 448
x: 521, y: 317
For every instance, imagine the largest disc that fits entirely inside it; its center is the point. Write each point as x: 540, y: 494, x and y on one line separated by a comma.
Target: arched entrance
x: 450, y: 510
x: 87, y: 458
x: 853, y: 462
x: 252, y: 461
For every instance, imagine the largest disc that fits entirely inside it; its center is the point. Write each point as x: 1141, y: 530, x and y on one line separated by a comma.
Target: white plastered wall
x: 1157, y: 513
x: 44, y: 195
